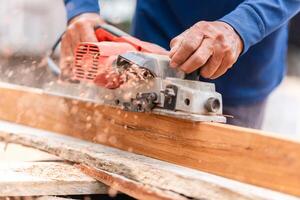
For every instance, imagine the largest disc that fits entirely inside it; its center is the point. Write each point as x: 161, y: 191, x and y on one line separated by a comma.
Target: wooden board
x: 46, y: 178
x: 16, y: 152
x: 140, y: 176
x: 52, y: 198
x: 130, y: 187
x: 246, y: 155
x: 29, y: 172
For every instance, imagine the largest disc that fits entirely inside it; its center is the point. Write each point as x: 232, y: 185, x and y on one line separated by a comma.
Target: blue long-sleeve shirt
x: 262, y: 25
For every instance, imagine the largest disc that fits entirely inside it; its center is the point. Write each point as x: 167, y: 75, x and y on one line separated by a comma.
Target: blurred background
x: 28, y: 29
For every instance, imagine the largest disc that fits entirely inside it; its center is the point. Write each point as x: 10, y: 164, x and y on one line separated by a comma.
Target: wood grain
x: 27, y: 171
x: 19, y: 178
x: 130, y: 187
x: 245, y: 155
x: 16, y: 152
x: 46, y: 178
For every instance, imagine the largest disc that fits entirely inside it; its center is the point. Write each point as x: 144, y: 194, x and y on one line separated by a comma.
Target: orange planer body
x: 94, y: 60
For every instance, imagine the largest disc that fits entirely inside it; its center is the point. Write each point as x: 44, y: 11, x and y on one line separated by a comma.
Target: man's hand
x: 80, y: 29
x: 213, y: 46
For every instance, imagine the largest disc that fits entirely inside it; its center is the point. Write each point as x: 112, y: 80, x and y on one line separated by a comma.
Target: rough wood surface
x: 19, y: 153
x: 146, y: 171
x: 26, y: 171
x: 242, y: 154
x: 53, y: 198
x: 46, y: 178
x: 130, y: 187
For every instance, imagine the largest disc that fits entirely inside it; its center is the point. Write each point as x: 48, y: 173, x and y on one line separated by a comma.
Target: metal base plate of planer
x: 169, y: 97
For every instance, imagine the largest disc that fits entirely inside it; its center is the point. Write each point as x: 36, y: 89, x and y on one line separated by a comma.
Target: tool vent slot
x: 86, y: 62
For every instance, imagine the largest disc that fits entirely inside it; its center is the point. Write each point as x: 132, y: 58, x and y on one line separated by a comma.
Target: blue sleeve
x: 256, y: 19
x: 77, y: 7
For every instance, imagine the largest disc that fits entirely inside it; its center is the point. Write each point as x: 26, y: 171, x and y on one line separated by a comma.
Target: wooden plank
x: 27, y: 171
x: 246, y: 155
x: 52, y: 198
x: 130, y: 187
x: 124, y: 168
x: 45, y: 178
x: 16, y: 152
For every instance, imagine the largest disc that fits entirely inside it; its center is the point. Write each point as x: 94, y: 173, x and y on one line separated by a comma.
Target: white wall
x: 117, y: 11
x: 283, y: 109
x: 30, y: 26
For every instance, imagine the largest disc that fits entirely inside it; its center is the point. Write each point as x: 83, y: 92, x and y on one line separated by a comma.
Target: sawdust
x: 112, y: 192
x: 54, y: 172
x: 88, y: 126
x: 18, y: 198
x: 113, y: 140
x: 102, y: 138
x: 123, y: 77
x: 134, y: 74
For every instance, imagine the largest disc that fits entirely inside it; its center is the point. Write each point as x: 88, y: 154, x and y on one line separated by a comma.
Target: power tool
x: 125, y: 72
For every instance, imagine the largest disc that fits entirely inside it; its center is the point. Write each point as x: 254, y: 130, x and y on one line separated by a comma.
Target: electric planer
x: 125, y: 72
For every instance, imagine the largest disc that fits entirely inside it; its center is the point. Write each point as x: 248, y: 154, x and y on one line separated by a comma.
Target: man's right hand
x: 80, y: 29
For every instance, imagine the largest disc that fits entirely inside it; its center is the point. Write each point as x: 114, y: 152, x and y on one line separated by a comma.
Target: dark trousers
x: 250, y: 116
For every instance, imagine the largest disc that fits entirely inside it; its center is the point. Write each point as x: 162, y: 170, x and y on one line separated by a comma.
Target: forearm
x: 83, y: 17
x: 256, y: 19
x: 77, y: 7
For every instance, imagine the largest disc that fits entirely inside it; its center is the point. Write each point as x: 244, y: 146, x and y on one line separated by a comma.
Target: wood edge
x: 263, y: 133
x: 45, y: 178
x: 129, y: 187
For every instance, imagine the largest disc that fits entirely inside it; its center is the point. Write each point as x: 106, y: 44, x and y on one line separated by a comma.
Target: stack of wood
x: 153, y: 157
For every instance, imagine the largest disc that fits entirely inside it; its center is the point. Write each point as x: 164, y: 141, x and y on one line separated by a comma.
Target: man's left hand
x: 213, y: 46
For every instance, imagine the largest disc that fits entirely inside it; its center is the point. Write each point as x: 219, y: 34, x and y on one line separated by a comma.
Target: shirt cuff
x: 77, y: 7
x: 247, y: 24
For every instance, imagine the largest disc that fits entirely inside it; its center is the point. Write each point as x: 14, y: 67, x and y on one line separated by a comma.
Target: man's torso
x: 255, y: 74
